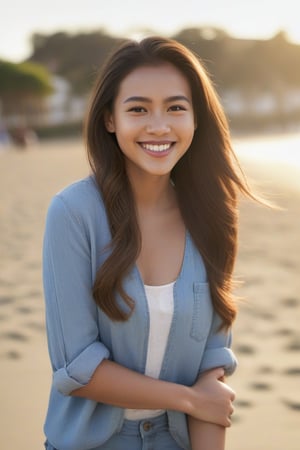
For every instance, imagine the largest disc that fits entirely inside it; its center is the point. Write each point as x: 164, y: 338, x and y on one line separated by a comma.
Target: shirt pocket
x: 202, y: 312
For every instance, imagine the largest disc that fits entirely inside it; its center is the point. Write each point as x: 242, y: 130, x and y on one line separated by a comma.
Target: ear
x: 109, y: 122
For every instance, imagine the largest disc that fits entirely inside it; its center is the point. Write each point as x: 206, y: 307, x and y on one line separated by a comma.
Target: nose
x: 158, y: 125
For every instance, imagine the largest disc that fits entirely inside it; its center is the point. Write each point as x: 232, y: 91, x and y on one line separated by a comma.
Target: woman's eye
x: 137, y: 109
x: 177, y: 108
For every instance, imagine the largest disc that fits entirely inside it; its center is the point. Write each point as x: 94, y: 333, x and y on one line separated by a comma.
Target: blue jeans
x: 147, y: 434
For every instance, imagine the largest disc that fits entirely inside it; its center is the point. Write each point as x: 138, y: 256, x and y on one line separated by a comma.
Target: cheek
x: 125, y: 137
x: 126, y: 127
x: 190, y: 135
x: 188, y: 128
x: 188, y: 121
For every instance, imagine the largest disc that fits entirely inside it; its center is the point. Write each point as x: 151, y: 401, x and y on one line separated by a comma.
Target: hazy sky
x: 241, y: 18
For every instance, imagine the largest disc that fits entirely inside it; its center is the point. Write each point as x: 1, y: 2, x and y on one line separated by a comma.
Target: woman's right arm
x: 208, y: 400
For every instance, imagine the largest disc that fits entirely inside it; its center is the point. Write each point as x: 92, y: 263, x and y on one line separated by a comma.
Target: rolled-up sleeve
x: 71, y: 314
x: 217, y: 351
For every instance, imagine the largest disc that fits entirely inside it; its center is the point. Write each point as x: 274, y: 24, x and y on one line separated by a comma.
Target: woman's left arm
x: 206, y: 436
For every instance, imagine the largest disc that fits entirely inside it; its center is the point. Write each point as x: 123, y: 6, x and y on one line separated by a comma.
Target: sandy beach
x: 266, y: 333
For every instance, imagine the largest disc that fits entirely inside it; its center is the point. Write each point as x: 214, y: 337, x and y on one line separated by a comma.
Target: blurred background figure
x: 5, y: 139
x: 23, y: 137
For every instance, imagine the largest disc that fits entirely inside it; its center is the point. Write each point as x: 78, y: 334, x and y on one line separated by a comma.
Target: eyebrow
x: 173, y: 98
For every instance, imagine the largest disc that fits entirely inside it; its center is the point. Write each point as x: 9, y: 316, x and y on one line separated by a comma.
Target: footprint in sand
x: 13, y: 355
x: 34, y: 293
x: 284, y: 332
x: 292, y: 371
x: 37, y: 326
x: 292, y: 404
x: 235, y: 418
x: 245, y: 349
x: 6, y: 300
x: 15, y: 336
x: 287, y: 264
x: 240, y: 403
x: 290, y: 302
x: 294, y: 345
x: 261, y: 386
x: 266, y: 315
x: 265, y: 369
x: 24, y: 310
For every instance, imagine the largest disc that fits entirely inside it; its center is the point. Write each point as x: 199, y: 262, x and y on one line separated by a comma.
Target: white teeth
x: 156, y: 147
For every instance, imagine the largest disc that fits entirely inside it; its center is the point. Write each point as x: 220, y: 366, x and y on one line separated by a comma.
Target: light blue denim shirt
x: 80, y: 335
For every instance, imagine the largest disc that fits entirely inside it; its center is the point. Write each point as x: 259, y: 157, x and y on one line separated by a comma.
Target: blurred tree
x: 22, y: 88
x: 209, y: 44
x: 24, y: 77
x: 244, y: 63
x: 75, y: 57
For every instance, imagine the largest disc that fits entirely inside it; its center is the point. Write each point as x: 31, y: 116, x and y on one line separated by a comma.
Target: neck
x: 153, y: 192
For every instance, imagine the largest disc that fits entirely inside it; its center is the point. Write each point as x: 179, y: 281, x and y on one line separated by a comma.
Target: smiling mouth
x: 157, y: 148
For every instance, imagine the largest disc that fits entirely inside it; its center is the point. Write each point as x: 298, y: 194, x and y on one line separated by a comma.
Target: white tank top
x: 160, y: 306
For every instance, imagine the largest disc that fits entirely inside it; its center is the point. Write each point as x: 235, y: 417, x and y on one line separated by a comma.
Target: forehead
x: 164, y: 79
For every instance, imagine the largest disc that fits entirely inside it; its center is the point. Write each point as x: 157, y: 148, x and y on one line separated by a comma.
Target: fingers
x: 228, y: 419
x: 230, y: 410
x: 228, y: 422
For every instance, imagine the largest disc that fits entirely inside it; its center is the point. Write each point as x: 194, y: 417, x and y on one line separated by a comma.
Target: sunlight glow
x: 250, y: 19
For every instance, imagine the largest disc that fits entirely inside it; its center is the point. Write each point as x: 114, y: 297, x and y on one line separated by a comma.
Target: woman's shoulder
x: 85, y: 188
x: 79, y: 198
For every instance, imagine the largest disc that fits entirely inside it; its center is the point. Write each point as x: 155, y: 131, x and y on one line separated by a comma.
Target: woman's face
x: 153, y: 119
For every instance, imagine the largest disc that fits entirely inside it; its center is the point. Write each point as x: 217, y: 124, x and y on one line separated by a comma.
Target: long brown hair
x: 207, y: 178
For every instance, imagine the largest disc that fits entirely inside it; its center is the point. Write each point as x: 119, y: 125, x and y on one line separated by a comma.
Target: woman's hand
x: 212, y: 398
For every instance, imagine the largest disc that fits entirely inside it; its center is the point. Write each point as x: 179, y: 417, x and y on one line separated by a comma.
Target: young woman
x: 138, y: 262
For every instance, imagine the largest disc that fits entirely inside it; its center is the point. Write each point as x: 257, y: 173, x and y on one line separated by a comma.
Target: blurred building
x: 62, y: 106
x: 267, y: 109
